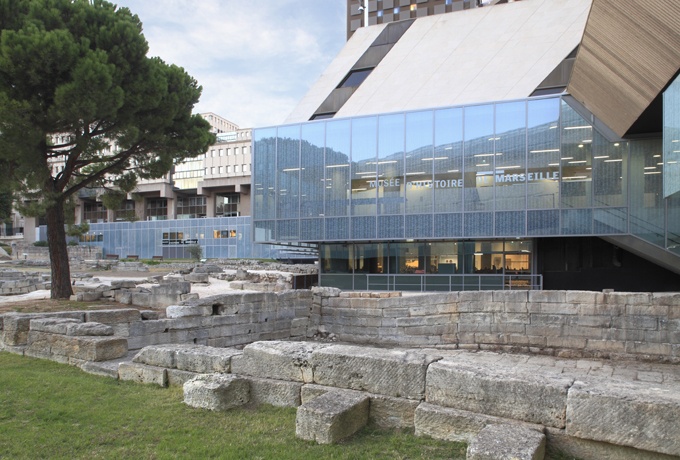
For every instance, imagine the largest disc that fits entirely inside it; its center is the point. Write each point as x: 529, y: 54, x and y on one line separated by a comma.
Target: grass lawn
x: 50, y: 410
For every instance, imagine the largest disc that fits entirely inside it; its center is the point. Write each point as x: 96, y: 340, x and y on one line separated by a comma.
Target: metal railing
x: 462, y: 282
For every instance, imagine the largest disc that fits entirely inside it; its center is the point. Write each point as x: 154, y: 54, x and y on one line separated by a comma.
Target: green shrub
x: 41, y: 244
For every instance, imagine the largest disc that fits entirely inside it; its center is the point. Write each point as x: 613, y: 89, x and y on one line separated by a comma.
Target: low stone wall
x: 452, y: 396
x: 14, y: 282
x: 561, y: 323
x: 30, y: 252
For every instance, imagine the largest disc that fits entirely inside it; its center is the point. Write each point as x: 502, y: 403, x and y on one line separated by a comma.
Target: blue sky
x: 254, y: 58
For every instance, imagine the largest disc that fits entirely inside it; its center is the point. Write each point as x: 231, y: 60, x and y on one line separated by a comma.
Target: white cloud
x: 255, y: 59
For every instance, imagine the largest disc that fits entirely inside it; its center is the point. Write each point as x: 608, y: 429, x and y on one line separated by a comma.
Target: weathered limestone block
x: 177, y: 378
x: 161, y: 355
x: 385, y: 411
x: 85, y: 348
x: 166, y: 288
x: 636, y: 415
x: 277, y: 360
x: 507, y: 442
x: 149, y: 315
x: 183, y: 311
x: 142, y: 373
x: 275, y: 392
x: 197, y: 278
x: 585, y: 449
x: 394, y: 373
x: 216, y: 392
x: 206, y: 360
x: 332, y: 417
x: 126, y: 315
x: 123, y: 284
x: 89, y: 329
x: 456, y: 425
x: 52, y: 325
x: 505, y: 392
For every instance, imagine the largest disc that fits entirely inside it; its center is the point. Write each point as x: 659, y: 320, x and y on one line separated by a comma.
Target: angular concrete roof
x: 629, y: 53
x: 473, y: 56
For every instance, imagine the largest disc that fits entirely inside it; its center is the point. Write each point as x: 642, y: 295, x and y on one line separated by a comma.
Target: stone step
x: 332, y: 417
x: 507, y: 442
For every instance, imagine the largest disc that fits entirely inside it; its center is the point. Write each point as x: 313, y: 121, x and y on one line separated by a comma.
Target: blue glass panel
x: 364, y: 166
x: 264, y: 171
x: 671, y: 142
x: 363, y: 227
x: 610, y: 220
x: 546, y: 222
x: 543, y: 150
x: 448, y: 165
x: 311, y: 229
x: 390, y: 182
x: 390, y: 227
x: 448, y: 225
x: 337, y: 191
x: 510, y: 223
x: 419, y: 162
x: 480, y: 153
x: 576, y: 160
x: 264, y: 231
x: 577, y: 221
x: 287, y: 230
x: 337, y: 228
x: 646, y: 191
x: 288, y: 172
x: 312, y: 178
x: 510, y: 150
x: 478, y: 224
x: 418, y: 226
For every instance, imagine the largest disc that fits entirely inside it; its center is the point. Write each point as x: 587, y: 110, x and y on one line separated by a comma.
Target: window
x: 236, y: 168
x: 212, y: 170
x: 221, y: 152
x: 244, y: 168
x: 224, y: 233
x: 126, y: 211
x: 355, y: 77
x: 191, y: 207
x: 157, y: 209
x: 220, y: 170
x: 229, y: 169
x: 227, y: 205
x: 212, y: 153
x: 94, y: 212
x: 228, y: 152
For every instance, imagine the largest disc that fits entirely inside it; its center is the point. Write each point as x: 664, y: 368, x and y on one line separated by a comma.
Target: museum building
x: 528, y: 145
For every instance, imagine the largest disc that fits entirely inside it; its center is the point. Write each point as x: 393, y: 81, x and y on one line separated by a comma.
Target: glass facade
x: 220, y: 238
x: 508, y: 171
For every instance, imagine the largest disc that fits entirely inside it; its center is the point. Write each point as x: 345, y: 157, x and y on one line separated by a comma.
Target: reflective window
x: 264, y: 165
x: 448, y: 160
x: 312, y: 170
x: 543, y: 154
x: 390, y: 183
x: 419, y: 161
x: 336, y: 182
x: 510, y: 156
x: 364, y: 166
x: 288, y: 168
x: 480, y: 153
x: 576, y: 159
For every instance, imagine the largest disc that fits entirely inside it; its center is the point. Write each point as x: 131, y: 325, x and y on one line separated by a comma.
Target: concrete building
x: 525, y: 145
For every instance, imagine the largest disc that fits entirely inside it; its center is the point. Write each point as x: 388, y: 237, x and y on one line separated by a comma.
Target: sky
x: 255, y: 59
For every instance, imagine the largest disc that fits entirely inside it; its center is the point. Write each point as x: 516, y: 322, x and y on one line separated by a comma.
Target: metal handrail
x: 456, y: 282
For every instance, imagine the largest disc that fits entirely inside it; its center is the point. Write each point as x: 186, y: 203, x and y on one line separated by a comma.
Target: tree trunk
x: 56, y: 237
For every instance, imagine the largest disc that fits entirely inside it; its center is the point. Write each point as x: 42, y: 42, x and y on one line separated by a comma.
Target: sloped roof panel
x: 629, y: 53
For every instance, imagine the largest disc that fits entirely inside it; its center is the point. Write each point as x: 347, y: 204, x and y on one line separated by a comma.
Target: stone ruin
x: 240, y: 348
x: 13, y: 282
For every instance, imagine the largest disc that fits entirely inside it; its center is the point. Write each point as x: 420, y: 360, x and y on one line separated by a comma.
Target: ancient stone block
x: 121, y: 284
x: 149, y: 315
x: 205, y: 360
x: 177, y: 378
x: 52, y: 325
x: 275, y: 392
x: 89, y: 329
x: 331, y: 417
x: 277, y: 360
x: 141, y: 373
x: 216, y: 392
x: 182, y: 311
x: 161, y: 355
x: 85, y: 348
x: 636, y: 414
x: 559, y: 443
x: 126, y: 315
x: 456, y: 425
x: 376, y: 370
x: 388, y: 412
x: 504, y: 392
x: 507, y: 442
x: 172, y: 288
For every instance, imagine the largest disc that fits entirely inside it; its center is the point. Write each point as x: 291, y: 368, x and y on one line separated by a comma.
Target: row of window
x: 228, y: 151
x: 228, y: 169
x: 226, y: 205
